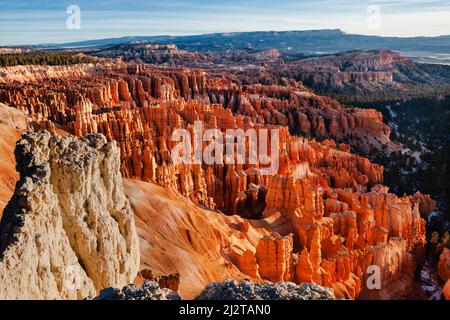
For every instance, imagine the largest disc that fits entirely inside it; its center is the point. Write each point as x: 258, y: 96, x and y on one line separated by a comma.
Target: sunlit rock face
x: 68, y: 230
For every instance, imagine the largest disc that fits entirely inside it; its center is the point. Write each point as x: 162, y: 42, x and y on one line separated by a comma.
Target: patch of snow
x: 417, y: 155
x: 430, y: 283
x: 392, y: 113
x: 392, y: 123
x: 434, y: 214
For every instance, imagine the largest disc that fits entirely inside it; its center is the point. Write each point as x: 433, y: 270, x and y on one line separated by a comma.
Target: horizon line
x: 219, y: 33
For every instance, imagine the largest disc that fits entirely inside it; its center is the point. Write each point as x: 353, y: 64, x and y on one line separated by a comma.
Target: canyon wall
x: 323, y: 218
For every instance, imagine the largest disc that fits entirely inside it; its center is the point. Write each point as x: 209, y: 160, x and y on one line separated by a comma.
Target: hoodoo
x: 323, y: 218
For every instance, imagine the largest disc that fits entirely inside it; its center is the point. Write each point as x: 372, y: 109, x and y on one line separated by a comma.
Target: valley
x: 361, y: 182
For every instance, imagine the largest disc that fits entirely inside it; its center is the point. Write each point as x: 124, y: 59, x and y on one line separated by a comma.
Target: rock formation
x: 176, y: 236
x: 274, y: 258
x: 112, y: 86
x: 69, y: 230
x: 152, y: 53
x: 150, y: 290
x: 171, y: 281
x: 357, y: 70
x: 323, y: 218
x: 246, y: 290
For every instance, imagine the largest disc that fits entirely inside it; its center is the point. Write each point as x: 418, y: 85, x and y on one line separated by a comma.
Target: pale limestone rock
x: 69, y: 230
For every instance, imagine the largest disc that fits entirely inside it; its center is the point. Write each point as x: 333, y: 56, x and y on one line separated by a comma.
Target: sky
x: 50, y: 21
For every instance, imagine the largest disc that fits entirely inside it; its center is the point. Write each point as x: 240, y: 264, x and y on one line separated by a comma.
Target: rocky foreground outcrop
x: 150, y: 290
x: 246, y: 290
x: 226, y: 290
x: 69, y: 230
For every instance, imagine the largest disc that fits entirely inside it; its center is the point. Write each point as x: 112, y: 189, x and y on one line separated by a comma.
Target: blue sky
x: 44, y: 21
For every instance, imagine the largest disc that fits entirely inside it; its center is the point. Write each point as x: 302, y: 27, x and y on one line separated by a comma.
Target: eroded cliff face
x: 367, y: 74
x: 152, y: 53
x: 354, y: 72
x: 323, y: 218
x: 75, y: 97
x: 68, y: 231
x: 140, y: 107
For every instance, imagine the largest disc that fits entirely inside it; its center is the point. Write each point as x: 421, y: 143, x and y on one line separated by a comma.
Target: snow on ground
x: 416, y: 154
x: 392, y: 123
x: 430, y: 283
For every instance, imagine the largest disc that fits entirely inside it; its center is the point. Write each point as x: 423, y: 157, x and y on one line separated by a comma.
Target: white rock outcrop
x: 69, y: 230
